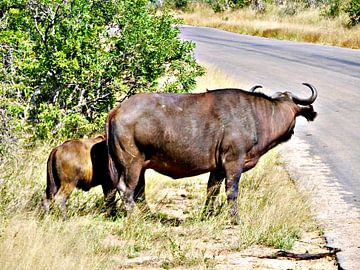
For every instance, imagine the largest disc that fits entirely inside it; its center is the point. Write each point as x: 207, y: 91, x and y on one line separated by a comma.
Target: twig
x: 91, y: 101
x: 37, y: 27
x: 302, y: 256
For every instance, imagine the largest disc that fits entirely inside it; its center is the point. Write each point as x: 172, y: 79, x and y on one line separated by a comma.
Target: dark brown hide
x: 78, y: 163
x: 223, y: 132
x: 252, y: 89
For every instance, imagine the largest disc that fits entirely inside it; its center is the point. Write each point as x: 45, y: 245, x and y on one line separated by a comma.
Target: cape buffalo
x: 223, y: 132
x: 79, y: 163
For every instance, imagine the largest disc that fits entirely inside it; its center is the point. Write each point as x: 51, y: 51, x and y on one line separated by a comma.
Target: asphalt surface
x: 334, y: 137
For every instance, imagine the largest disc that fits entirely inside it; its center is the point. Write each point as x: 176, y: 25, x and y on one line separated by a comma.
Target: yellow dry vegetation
x: 274, y: 215
x: 306, y: 26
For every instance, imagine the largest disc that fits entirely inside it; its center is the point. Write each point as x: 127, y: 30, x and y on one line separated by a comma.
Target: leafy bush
x: 222, y: 5
x: 240, y: 3
x: 333, y: 9
x: 218, y: 6
x: 11, y: 124
x: 67, y: 63
x: 179, y: 4
x: 353, y: 10
x: 55, y: 121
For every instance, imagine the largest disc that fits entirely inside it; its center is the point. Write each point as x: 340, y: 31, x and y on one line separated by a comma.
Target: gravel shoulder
x: 340, y: 219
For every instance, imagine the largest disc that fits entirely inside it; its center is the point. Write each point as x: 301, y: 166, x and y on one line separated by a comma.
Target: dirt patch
x: 247, y: 259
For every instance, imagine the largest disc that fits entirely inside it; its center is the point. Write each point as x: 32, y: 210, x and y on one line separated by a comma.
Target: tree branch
x: 53, y: 19
x: 101, y: 98
x: 37, y: 27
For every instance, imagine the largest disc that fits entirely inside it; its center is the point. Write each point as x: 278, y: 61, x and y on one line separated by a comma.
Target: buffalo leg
x: 127, y: 184
x: 46, y: 203
x: 139, y: 193
x: 213, y: 190
x: 233, y: 174
x: 62, y: 196
x: 125, y: 154
x: 52, y: 188
x: 110, y: 204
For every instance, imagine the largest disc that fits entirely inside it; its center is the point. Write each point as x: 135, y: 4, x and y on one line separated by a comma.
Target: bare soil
x: 251, y: 258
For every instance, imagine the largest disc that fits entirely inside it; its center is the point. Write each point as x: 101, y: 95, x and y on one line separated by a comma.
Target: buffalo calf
x: 79, y: 163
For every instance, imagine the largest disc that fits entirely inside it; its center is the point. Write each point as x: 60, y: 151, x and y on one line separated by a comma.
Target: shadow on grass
x: 164, y: 219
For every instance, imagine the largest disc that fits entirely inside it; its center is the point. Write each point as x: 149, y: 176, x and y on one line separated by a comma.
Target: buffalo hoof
x: 129, y: 206
x: 46, y: 205
x: 111, y: 213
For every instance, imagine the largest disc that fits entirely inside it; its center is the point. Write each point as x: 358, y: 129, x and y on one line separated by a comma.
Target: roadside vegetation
x: 273, y: 212
x: 64, y: 65
x: 328, y: 22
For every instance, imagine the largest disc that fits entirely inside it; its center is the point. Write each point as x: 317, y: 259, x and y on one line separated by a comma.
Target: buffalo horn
x: 309, y: 100
x: 252, y: 89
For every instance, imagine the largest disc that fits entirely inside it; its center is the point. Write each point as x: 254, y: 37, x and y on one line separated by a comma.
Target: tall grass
x: 173, y: 235
x: 308, y: 25
x: 29, y: 243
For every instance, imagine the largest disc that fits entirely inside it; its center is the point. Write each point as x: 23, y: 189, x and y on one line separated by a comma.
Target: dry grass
x: 273, y: 212
x: 215, y: 78
x: 28, y: 243
x: 307, y: 26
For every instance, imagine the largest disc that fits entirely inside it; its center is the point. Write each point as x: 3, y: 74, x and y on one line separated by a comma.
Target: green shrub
x: 181, y: 4
x: 222, y: 5
x: 217, y: 5
x: 77, y: 58
x: 55, y: 122
x: 333, y: 9
x: 240, y: 3
x: 353, y: 10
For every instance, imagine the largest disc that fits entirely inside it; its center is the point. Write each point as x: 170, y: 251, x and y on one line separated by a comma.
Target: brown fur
x: 79, y: 163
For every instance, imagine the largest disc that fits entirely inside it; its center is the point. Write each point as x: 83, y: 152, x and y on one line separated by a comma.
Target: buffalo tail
x: 52, y: 180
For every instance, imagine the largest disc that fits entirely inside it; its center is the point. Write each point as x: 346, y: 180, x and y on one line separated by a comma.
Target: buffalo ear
x: 308, y: 112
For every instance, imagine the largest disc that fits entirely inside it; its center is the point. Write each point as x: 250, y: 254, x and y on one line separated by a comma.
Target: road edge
x: 340, y: 220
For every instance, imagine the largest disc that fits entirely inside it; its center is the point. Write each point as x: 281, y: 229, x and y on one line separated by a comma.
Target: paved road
x: 334, y: 137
